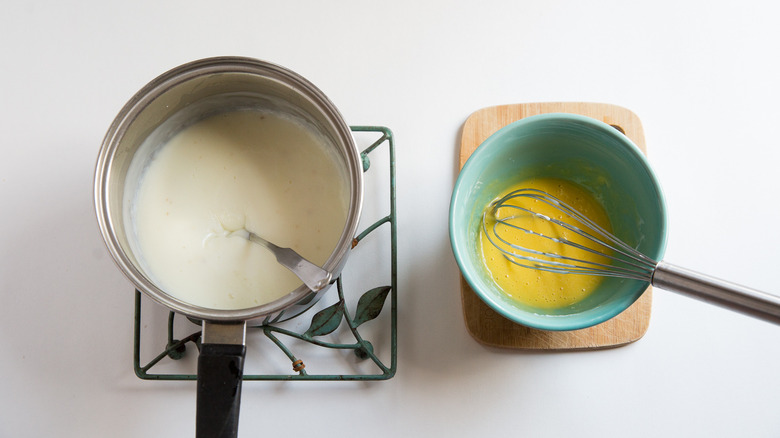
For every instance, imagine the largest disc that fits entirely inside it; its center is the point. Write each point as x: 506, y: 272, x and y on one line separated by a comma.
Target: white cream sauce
x: 250, y: 169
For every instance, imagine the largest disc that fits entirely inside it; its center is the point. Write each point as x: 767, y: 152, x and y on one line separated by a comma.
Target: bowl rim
x: 539, y: 321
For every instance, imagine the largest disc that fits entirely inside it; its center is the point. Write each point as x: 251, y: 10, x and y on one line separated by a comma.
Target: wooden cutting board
x: 490, y: 328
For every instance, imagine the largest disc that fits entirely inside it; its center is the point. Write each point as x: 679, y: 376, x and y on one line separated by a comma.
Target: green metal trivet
x: 323, y: 322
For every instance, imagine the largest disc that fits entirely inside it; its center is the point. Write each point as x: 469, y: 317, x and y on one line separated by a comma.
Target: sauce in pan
x: 259, y: 170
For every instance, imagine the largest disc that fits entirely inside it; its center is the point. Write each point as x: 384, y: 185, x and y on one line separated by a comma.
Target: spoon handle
x: 314, y: 277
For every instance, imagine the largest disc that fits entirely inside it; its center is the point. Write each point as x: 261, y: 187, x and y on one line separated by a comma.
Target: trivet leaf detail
x: 370, y: 305
x: 326, y: 320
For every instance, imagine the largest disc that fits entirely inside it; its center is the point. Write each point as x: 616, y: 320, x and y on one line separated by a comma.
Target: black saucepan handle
x: 220, y: 372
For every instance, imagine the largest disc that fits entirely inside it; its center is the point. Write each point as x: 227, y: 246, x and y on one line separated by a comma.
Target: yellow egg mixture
x: 533, y: 287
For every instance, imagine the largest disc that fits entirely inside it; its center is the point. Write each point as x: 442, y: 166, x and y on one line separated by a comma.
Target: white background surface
x: 702, y: 76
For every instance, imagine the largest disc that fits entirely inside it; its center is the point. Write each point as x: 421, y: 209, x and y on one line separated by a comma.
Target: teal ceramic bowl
x: 578, y: 149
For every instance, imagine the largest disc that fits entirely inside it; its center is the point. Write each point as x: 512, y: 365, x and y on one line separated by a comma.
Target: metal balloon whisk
x: 613, y: 257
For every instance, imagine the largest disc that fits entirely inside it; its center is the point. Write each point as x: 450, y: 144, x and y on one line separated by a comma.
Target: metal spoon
x: 314, y: 277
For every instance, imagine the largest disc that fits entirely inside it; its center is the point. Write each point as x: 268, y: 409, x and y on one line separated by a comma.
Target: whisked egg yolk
x: 532, y: 287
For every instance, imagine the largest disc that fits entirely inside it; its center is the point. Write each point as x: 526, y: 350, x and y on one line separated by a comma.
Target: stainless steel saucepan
x: 175, y: 100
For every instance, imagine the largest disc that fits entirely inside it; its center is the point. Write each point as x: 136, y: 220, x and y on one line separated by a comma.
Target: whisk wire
x: 554, y: 202
x: 558, y: 266
x: 630, y: 262
x: 560, y: 263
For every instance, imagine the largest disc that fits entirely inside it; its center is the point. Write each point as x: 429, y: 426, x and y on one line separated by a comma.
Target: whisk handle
x: 719, y: 292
